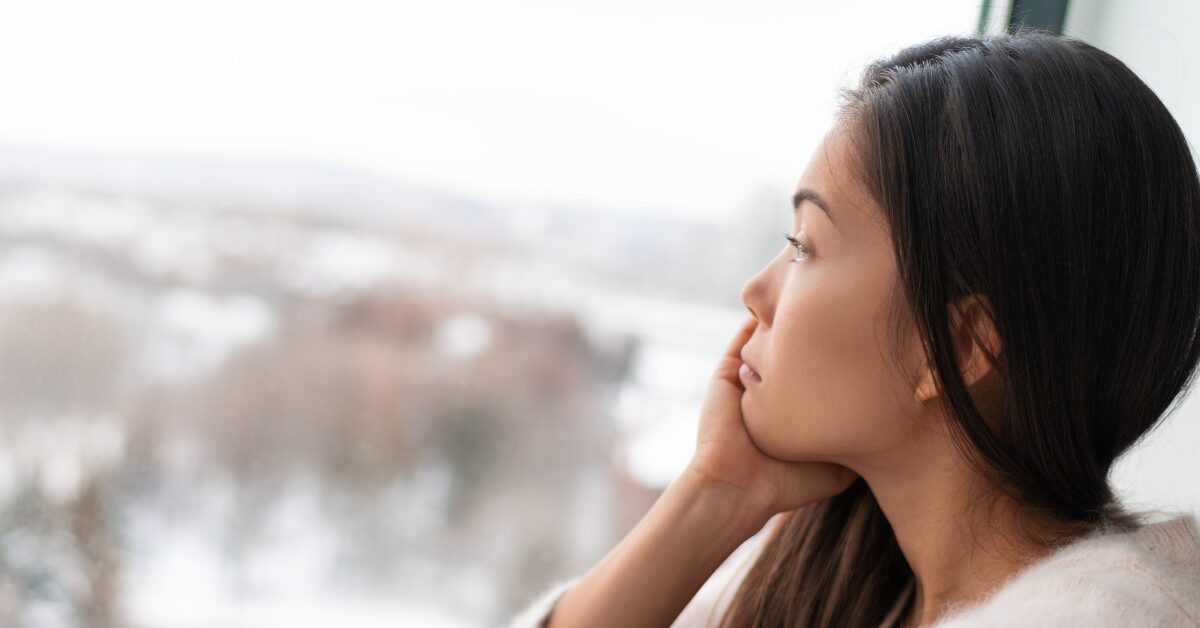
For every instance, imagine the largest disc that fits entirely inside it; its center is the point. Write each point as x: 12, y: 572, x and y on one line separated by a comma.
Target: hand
x: 726, y: 458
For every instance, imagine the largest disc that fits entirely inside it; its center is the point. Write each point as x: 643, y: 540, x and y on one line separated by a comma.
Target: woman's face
x: 828, y: 388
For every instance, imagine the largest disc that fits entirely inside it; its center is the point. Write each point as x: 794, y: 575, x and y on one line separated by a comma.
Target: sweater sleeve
x: 537, y: 612
x: 707, y: 606
x: 709, y: 602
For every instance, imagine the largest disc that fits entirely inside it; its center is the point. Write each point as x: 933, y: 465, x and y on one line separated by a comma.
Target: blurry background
x: 389, y: 313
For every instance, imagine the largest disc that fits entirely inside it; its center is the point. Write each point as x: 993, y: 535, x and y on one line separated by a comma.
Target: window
x: 377, y: 314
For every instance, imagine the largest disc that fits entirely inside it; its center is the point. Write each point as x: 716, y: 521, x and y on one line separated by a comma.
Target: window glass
x: 375, y: 313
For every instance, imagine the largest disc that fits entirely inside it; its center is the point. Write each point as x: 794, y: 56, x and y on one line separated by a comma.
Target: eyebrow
x: 809, y: 194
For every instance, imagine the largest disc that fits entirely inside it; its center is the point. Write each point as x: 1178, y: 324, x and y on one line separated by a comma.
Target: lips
x: 747, y: 362
x: 748, y: 375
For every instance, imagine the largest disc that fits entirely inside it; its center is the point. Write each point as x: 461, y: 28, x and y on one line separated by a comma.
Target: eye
x: 800, y: 248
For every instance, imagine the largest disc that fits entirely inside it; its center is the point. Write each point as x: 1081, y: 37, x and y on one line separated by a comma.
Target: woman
x: 991, y: 291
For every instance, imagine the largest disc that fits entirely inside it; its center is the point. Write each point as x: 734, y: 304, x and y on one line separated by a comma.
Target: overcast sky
x: 623, y: 105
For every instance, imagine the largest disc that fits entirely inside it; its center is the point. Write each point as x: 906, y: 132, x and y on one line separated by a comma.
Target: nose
x: 754, y: 296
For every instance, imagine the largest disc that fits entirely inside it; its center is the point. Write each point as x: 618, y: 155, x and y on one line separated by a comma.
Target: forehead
x: 831, y: 173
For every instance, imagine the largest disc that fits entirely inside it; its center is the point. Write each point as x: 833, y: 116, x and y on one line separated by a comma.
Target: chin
x: 781, y: 444
x: 764, y: 437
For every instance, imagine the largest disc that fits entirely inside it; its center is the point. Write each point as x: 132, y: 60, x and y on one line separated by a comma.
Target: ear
x: 976, y: 343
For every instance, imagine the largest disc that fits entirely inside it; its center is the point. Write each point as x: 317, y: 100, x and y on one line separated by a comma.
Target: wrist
x: 730, y: 508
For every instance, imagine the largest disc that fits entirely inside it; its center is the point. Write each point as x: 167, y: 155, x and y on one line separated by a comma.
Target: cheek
x: 831, y: 388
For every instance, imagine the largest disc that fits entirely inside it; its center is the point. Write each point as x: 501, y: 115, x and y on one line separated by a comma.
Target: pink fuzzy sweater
x: 1146, y: 578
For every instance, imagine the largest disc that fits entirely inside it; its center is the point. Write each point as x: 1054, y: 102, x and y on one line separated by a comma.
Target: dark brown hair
x: 1040, y: 171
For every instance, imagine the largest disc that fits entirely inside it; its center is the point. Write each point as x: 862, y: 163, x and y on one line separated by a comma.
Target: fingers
x: 734, y: 350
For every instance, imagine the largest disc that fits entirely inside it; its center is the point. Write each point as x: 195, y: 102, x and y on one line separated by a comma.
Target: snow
x: 191, y: 331
x: 179, y: 578
x: 30, y: 274
x: 463, y: 336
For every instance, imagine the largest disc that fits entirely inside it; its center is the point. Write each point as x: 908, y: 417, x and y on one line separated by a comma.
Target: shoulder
x: 1148, y: 577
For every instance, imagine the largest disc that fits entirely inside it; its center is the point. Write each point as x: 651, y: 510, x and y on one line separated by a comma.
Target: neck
x: 958, y: 555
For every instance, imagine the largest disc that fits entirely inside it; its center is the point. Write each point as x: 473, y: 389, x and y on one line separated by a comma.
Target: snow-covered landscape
x: 222, y: 414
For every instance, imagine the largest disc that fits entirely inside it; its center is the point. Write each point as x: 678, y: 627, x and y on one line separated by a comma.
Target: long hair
x: 1040, y: 171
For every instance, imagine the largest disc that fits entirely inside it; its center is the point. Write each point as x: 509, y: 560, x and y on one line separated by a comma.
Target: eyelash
x: 799, y: 247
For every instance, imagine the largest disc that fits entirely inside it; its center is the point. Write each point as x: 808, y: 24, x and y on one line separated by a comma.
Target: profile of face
x: 829, y: 388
